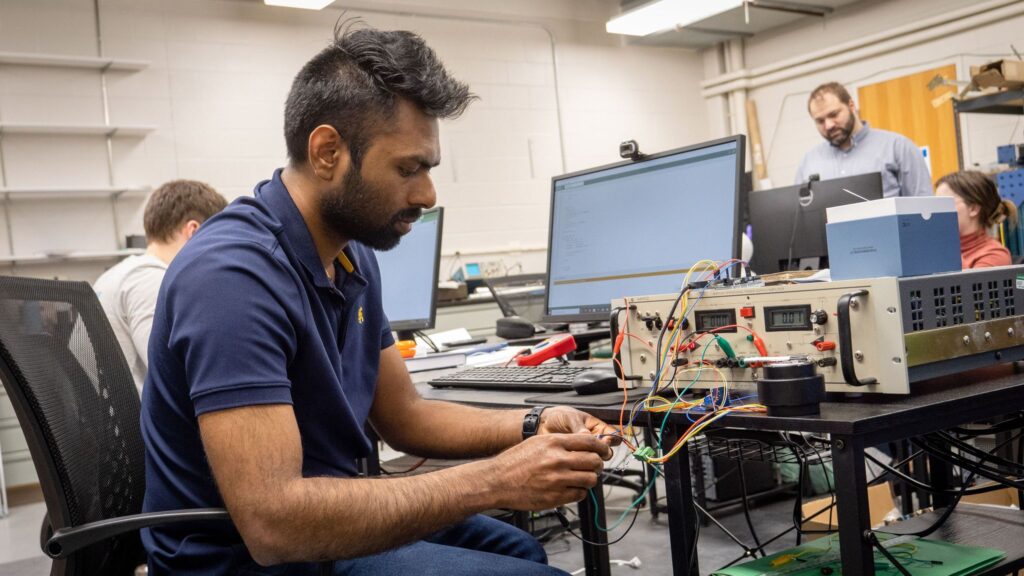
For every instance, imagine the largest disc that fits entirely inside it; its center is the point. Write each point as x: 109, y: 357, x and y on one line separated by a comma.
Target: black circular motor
x: 791, y: 389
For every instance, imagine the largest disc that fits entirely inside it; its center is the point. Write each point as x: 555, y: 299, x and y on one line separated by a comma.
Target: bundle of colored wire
x: 703, y: 422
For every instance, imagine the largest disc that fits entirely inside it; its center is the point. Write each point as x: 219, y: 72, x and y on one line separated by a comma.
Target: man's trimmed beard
x: 355, y: 211
x: 846, y: 132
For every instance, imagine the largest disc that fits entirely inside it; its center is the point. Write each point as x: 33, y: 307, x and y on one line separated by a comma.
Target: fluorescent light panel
x: 666, y: 14
x: 305, y: 4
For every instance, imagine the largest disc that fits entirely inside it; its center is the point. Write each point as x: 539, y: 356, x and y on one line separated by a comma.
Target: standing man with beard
x: 852, y: 147
x: 271, y: 357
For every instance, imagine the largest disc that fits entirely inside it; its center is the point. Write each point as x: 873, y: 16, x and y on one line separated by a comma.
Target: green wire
x: 625, y: 513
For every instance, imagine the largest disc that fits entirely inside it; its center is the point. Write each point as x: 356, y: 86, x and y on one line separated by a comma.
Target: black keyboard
x: 554, y: 377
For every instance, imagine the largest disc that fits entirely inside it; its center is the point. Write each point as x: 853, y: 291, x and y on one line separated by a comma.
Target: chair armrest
x: 67, y: 541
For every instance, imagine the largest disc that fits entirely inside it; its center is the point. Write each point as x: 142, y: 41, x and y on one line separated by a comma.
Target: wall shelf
x: 73, y: 256
x: 1004, y: 102
x: 65, y: 192
x: 68, y: 61
x: 76, y: 129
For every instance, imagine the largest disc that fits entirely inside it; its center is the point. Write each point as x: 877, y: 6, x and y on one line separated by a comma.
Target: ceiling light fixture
x: 666, y: 14
x: 304, y: 4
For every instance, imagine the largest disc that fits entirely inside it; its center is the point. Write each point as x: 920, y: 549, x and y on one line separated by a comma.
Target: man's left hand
x: 565, y: 420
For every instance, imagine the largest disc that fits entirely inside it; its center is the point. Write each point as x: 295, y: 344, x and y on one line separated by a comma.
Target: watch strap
x: 531, y: 422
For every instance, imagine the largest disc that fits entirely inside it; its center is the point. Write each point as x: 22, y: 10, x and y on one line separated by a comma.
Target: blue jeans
x: 479, y: 546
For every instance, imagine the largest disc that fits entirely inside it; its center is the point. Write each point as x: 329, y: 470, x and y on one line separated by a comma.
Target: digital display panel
x: 787, y: 318
x: 707, y: 320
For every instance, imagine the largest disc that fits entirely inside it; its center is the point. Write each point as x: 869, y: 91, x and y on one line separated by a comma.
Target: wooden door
x: 904, y: 105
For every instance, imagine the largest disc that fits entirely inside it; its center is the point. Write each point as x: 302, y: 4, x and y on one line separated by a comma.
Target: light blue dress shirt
x: 904, y: 172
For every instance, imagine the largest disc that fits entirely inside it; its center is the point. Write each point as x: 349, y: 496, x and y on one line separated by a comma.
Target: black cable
x: 1016, y: 467
x: 565, y: 524
x: 427, y: 339
x: 952, y: 505
x: 747, y: 550
x: 746, y: 509
x: 1003, y: 426
x: 921, y: 485
x: 1020, y: 458
x: 873, y: 539
x: 977, y: 469
x: 792, y: 236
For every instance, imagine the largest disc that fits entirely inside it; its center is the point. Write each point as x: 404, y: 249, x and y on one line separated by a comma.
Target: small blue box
x: 1012, y: 154
x: 897, y: 236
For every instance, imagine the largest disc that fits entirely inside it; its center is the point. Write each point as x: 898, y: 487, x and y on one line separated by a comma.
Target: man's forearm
x: 447, y: 430
x: 321, y: 518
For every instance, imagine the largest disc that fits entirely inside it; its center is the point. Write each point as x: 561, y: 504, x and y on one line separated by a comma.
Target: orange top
x: 979, y: 250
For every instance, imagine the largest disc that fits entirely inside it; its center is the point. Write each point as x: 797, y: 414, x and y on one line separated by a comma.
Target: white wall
x: 786, y: 129
x: 219, y: 73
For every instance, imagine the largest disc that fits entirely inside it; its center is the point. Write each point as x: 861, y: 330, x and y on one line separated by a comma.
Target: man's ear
x: 189, y: 229
x: 328, y: 154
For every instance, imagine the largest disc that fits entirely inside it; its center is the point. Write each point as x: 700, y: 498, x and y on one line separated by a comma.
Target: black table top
x: 936, y: 404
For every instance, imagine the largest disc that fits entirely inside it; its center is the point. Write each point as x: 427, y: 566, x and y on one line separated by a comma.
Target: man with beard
x: 271, y: 357
x: 852, y: 147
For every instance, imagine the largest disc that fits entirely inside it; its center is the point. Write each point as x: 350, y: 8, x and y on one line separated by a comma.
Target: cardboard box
x: 1004, y: 497
x: 880, y: 503
x: 1003, y: 74
x: 899, y: 236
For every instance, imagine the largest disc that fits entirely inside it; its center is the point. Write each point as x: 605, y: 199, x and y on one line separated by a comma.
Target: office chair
x: 79, y: 410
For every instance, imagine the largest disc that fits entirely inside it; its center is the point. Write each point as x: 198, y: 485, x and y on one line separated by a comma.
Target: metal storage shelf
x: 68, y: 61
x: 76, y: 129
x: 1005, y: 102
x: 62, y: 192
x: 82, y: 256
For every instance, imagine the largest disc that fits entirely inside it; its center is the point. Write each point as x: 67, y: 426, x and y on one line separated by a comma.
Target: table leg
x: 682, y: 516
x: 940, y: 477
x: 924, y: 498
x: 595, y: 556
x: 852, y: 502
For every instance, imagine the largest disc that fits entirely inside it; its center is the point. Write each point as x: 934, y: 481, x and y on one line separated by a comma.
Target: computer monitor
x: 636, y: 227
x: 408, y: 275
x: 787, y: 224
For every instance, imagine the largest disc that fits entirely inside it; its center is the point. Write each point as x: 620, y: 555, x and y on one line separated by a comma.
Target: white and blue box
x: 899, y: 236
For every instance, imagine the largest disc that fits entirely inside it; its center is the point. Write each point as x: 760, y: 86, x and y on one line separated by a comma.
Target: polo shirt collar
x: 274, y: 193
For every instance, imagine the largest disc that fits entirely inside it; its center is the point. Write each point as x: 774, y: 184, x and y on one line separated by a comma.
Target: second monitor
x: 788, y: 224
x: 408, y: 276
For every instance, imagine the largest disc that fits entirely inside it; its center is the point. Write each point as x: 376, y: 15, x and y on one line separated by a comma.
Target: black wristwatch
x: 531, y: 422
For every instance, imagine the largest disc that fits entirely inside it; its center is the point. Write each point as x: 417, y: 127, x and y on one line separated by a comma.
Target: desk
x: 936, y: 405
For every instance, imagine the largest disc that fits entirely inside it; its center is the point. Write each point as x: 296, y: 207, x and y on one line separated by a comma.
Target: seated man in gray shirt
x: 853, y: 148
x: 128, y: 290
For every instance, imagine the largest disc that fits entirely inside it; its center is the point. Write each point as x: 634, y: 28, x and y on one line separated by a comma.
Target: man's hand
x: 565, y: 420
x: 546, y: 471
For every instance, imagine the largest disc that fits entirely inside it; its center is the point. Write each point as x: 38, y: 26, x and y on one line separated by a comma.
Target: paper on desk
x: 440, y: 339
x: 496, y: 358
x: 823, y: 275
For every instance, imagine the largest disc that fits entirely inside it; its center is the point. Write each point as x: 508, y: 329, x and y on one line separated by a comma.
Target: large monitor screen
x: 636, y: 227
x: 408, y: 274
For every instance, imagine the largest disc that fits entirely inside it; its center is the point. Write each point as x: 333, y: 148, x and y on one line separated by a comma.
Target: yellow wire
x: 684, y: 303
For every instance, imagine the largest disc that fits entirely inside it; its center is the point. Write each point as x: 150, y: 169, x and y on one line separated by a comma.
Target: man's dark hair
x: 175, y: 203
x: 834, y: 88
x: 354, y: 84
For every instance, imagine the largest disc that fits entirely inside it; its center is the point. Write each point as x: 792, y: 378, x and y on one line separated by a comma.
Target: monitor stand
x: 406, y: 334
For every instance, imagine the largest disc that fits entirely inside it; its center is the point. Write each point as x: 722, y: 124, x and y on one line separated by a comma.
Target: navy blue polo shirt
x: 247, y: 316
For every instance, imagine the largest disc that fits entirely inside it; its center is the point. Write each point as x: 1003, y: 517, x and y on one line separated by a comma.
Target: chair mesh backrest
x: 79, y: 407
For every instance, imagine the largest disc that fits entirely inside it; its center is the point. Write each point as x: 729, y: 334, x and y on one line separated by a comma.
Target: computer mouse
x: 596, y: 381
